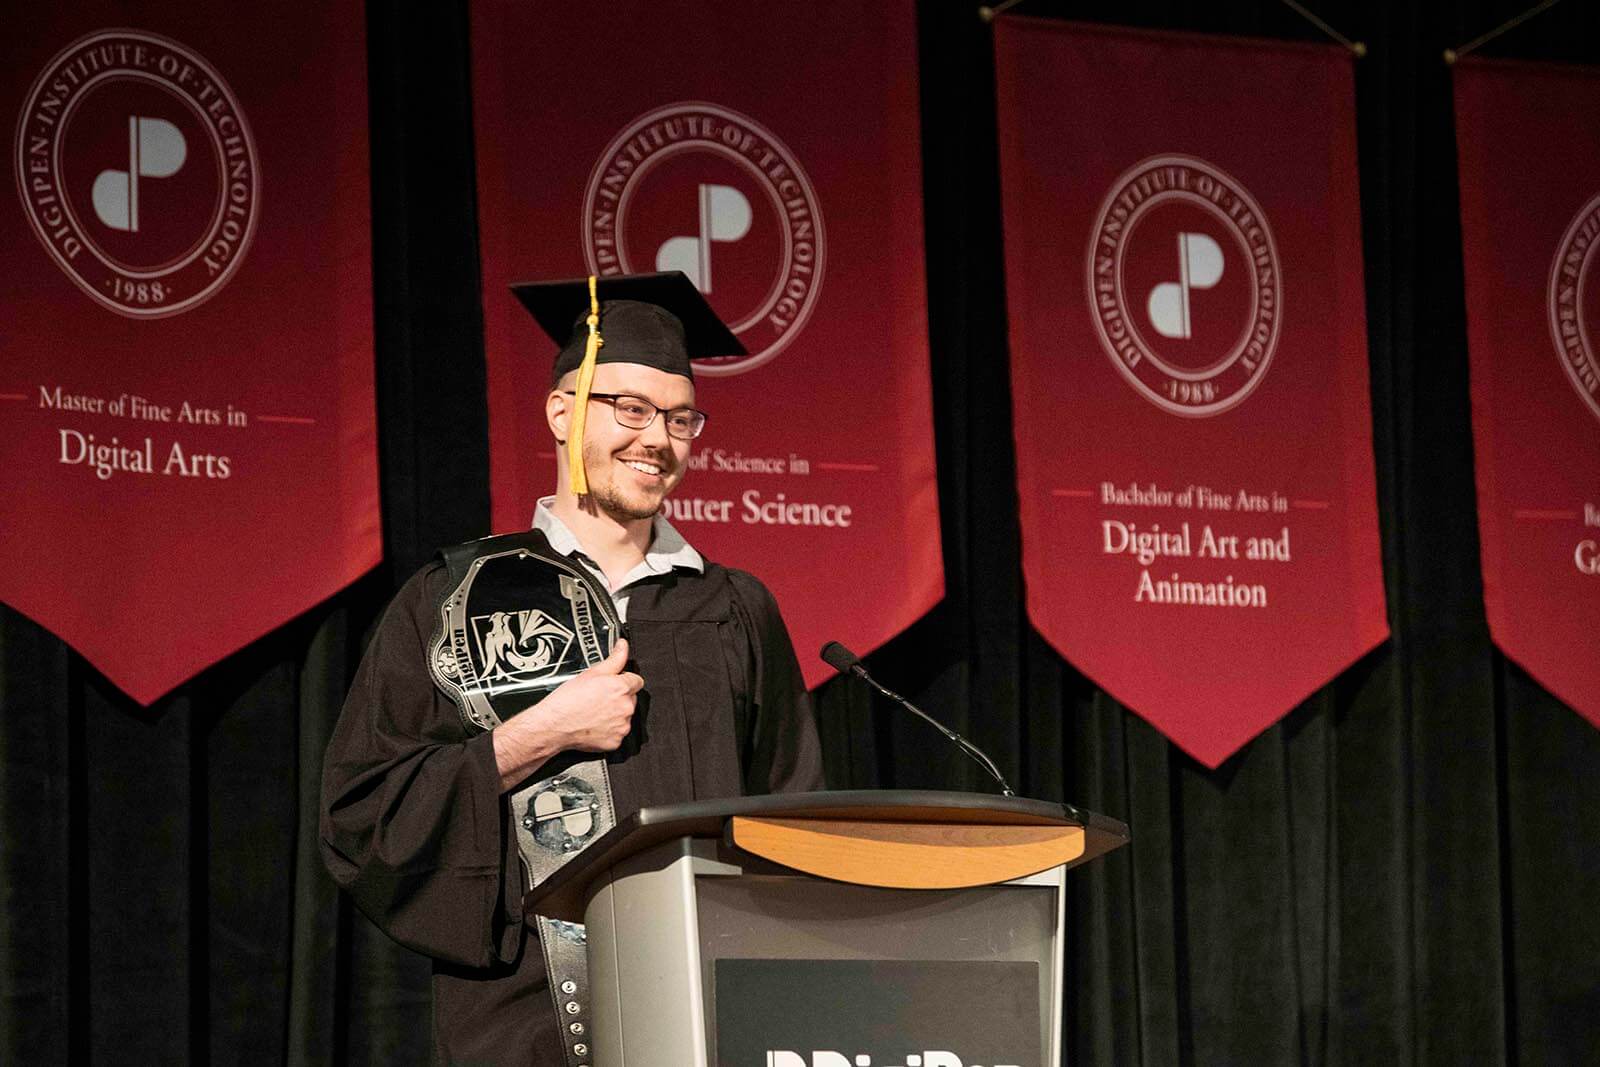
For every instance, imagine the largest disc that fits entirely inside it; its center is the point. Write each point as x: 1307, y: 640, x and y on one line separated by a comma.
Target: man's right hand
x: 591, y: 712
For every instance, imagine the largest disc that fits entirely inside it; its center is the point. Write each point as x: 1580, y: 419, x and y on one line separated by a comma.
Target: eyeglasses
x: 637, y: 413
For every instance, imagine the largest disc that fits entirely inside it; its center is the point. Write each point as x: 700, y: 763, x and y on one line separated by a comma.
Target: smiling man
x: 442, y: 806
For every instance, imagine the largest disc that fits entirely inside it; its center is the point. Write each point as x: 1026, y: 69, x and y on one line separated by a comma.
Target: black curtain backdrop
x: 1403, y: 871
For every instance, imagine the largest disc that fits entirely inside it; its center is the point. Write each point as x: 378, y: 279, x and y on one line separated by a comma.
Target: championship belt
x: 519, y: 621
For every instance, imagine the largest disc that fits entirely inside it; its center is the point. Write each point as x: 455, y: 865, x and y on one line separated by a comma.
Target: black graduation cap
x: 659, y: 320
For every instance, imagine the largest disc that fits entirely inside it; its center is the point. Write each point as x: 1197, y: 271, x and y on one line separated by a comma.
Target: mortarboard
x: 658, y: 320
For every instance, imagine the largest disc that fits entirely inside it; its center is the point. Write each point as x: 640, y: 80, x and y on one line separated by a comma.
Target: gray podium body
x: 873, y: 928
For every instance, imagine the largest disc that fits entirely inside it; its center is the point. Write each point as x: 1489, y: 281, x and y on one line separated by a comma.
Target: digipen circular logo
x: 1185, y: 285
x: 138, y: 172
x: 703, y: 189
x: 1574, y: 303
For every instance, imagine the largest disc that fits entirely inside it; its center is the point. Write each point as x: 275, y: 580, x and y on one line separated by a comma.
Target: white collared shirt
x: 667, y: 550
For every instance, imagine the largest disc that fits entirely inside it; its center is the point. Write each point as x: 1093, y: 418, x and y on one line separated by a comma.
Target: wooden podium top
x: 911, y: 839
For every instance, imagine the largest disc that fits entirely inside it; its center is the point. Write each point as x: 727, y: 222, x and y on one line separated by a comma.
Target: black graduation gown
x: 415, y: 828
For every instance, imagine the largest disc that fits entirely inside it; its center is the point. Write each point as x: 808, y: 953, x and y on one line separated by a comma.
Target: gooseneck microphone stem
x: 842, y: 659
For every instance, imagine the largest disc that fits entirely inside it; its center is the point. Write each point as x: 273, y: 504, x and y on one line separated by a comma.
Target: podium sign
x: 832, y: 1013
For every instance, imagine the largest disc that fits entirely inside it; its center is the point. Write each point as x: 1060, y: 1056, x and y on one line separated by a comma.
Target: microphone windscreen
x: 838, y: 657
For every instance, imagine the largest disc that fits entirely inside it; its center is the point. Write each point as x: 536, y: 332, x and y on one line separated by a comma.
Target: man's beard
x: 612, y: 499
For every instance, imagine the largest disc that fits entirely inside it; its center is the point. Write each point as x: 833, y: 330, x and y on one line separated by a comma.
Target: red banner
x: 1529, y: 144
x: 188, y: 454
x: 774, y: 159
x: 1188, y: 342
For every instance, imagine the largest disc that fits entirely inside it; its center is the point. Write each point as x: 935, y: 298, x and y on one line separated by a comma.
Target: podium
x: 872, y: 928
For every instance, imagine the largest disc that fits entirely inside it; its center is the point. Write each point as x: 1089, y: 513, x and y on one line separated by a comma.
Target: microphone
x: 844, y: 661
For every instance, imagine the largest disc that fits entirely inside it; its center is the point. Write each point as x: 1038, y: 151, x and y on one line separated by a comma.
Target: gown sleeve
x: 412, y: 823
x: 783, y: 752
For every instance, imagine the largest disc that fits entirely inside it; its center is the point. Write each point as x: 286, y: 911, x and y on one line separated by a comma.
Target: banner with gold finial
x: 188, y: 441
x: 1189, y: 368
x: 1528, y: 139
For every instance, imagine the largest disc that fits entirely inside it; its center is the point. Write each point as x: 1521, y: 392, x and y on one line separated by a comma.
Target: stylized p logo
x: 156, y: 149
x: 724, y: 216
x: 151, y: 171
x: 1199, y: 267
x: 1189, y: 354
x: 702, y: 189
x: 1573, y: 304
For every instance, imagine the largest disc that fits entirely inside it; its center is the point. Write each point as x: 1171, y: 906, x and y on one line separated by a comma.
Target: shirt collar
x: 667, y: 548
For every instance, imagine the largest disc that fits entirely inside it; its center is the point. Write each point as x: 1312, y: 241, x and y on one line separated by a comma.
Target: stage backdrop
x: 1528, y: 140
x: 773, y: 157
x: 188, y: 443
x: 1189, y: 367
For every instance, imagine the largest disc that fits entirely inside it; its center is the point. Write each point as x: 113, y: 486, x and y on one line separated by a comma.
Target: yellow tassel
x: 580, y: 401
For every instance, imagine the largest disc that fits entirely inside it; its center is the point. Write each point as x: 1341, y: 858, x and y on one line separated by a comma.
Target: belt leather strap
x: 566, y: 961
x: 556, y: 818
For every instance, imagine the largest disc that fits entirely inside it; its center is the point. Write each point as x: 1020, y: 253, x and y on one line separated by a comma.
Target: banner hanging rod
x: 1357, y: 48
x: 1453, y: 54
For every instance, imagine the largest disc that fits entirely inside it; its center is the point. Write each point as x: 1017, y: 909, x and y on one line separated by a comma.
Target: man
x: 703, y: 698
